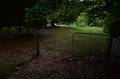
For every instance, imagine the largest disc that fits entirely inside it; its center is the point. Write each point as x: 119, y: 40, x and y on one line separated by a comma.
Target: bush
x: 112, y: 22
x: 112, y: 26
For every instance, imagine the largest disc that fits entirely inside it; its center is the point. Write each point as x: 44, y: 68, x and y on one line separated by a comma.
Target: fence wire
x: 90, y: 44
x: 115, y: 53
x: 19, y: 50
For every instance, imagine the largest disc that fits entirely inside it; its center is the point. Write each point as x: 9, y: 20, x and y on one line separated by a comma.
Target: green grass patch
x: 61, y: 41
x: 90, y: 44
x: 7, y: 31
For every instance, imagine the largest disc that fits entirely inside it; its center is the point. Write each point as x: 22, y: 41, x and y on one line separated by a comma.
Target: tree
x: 20, y: 11
x: 69, y: 11
x: 99, y: 10
x: 15, y: 10
x: 57, y: 10
x: 109, y: 11
x: 12, y: 13
x: 112, y: 24
x: 4, y: 16
x: 36, y: 15
x: 112, y: 21
x: 81, y: 20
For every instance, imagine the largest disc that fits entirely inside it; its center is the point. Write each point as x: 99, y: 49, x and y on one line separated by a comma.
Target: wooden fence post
x: 10, y: 40
x: 109, y: 48
x: 1, y: 39
x: 36, y: 39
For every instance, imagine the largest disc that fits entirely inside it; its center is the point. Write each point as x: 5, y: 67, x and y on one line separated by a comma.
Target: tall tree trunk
x: 45, y: 23
x: 53, y: 23
x: 19, y: 19
x: 1, y: 40
x: 19, y: 29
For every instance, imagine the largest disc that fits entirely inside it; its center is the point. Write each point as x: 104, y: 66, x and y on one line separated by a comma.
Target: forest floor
x: 56, y: 59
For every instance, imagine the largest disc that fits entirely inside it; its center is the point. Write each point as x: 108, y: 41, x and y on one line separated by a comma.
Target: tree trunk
x: 19, y: 19
x: 19, y: 29
x: 1, y: 40
x: 45, y: 23
x: 53, y: 23
x: 109, y: 48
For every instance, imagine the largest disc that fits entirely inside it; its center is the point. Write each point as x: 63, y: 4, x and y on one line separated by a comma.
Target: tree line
x: 35, y: 13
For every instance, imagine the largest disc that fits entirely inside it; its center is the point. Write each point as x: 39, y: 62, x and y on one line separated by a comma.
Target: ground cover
x: 57, y: 60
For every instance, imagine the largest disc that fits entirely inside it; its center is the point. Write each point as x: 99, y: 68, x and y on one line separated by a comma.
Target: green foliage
x: 112, y: 21
x: 81, y: 21
x: 69, y: 12
x: 48, y: 20
x: 112, y: 26
x: 39, y: 13
x: 36, y: 16
x: 106, y: 11
x: 59, y: 11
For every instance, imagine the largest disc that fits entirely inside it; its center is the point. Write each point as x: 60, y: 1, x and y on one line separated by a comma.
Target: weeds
x: 6, y: 69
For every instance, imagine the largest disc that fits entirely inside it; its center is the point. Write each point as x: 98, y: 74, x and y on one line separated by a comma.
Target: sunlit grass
x: 61, y: 41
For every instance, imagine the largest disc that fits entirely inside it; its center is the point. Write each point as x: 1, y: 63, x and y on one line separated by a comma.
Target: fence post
x: 10, y: 40
x: 1, y: 39
x: 109, y: 48
x: 72, y: 42
x: 36, y: 39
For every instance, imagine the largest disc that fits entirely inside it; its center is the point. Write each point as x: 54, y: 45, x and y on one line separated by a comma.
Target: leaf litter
x: 54, y: 65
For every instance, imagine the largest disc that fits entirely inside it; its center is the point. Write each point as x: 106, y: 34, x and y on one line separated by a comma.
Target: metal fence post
x: 72, y: 42
x: 109, y: 48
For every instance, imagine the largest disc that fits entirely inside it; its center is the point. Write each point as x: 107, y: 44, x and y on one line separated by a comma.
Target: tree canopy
x: 13, y: 12
x: 106, y: 11
x: 66, y: 11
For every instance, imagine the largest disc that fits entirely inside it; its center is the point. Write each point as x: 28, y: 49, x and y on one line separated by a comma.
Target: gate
x: 89, y: 44
x: 21, y: 56
x: 115, y: 50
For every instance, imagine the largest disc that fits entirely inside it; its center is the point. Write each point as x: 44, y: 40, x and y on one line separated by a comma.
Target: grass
x: 95, y: 30
x: 90, y: 44
x: 6, y: 30
x: 60, y: 41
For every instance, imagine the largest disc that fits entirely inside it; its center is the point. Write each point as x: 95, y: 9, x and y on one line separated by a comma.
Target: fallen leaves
x: 52, y: 64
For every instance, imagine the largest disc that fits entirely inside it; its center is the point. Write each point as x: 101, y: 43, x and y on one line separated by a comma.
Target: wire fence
x: 95, y: 45
x: 82, y: 44
x: 20, y: 50
x: 90, y: 44
x: 115, y: 51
